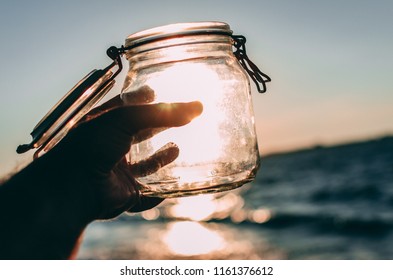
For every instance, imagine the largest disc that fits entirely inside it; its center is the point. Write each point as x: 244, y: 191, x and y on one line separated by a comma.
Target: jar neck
x: 179, y: 49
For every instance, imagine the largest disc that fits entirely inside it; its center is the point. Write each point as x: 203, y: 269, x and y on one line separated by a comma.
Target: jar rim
x: 177, y: 30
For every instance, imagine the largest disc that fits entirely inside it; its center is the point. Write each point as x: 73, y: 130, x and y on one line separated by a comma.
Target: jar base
x: 176, y: 189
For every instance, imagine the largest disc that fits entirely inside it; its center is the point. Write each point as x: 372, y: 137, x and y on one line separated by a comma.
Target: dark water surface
x: 322, y: 203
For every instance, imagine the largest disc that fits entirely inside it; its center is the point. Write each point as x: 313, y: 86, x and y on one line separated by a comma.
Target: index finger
x: 132, y: 119
x: 105, y: 139
x: 143, y: 95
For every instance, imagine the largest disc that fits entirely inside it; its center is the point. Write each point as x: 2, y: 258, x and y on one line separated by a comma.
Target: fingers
x: 147, y: 133
x: 162, y: 157
x: 138, y: 202
x: 132, y: 119
x: 97, y: 111
x: 104, y: 140
x: 145, y: 203
x: 143, y: 95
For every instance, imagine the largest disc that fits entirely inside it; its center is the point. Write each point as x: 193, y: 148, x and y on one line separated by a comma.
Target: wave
x: 327, y: 224
x: 347, y: 193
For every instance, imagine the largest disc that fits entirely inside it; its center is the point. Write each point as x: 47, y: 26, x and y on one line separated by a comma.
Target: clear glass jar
x: 188, y: 62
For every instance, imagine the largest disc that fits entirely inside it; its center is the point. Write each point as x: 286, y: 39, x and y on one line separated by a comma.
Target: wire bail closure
x: 239, y: 42
x: 260, y: 79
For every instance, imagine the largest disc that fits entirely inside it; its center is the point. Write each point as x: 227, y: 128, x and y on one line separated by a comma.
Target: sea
x: 322, y: 203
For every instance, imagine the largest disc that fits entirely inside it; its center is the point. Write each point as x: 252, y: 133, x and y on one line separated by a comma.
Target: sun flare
x: 192, y: 238
x: 198, y: 141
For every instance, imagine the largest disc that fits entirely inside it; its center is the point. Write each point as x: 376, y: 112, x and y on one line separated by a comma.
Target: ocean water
x: 321, y: 203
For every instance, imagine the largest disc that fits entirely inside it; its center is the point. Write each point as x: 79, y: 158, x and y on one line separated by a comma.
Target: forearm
x: 40, y: 218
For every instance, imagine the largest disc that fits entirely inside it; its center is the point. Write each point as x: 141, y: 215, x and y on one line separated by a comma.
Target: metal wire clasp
x: 260, y: 79
x: 239, y: 42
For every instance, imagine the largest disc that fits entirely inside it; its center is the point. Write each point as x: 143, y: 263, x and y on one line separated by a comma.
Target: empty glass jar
x: 188, y: 62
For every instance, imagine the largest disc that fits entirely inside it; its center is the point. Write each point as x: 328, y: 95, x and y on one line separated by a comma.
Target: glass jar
x: 195, y: 62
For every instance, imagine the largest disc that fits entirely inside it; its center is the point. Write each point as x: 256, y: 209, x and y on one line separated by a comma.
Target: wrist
x: 45, y: 216
x: 54, y: 210
x: 63, y: 189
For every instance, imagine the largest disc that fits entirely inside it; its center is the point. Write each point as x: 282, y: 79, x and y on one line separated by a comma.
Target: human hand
x: 90, y: 161
x: 85, y: 177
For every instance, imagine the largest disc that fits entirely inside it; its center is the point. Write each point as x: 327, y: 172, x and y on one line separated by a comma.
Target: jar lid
x: 177, y: 30
x: 69, y: 110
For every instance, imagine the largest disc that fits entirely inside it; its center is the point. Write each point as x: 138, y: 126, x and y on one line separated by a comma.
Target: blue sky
x: 330, y: 62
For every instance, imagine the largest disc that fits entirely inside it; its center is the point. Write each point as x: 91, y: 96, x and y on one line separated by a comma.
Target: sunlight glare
x: 151, y: 214
x: 192, y: 238
x: 198, y: 141
x: 260, y: 216
x: 196, y: 208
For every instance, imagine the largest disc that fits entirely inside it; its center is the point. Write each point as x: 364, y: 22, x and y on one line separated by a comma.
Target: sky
x: 330, y: 62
